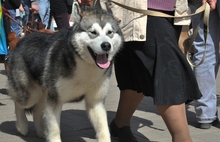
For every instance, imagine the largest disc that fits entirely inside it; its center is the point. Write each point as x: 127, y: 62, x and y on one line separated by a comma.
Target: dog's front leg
x: 97, y: 114
x: 52, y: 122
x: 38, y: 119
x: 22, y: 122
x: 38, y: 115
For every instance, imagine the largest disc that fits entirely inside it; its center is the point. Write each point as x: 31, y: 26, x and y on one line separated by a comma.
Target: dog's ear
x: 76, y: 12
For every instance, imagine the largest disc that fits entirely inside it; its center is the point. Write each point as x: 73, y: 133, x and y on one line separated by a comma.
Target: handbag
x: 34, y: 26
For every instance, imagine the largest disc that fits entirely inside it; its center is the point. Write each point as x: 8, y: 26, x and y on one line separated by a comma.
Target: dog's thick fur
x: 48, y: 70
x: 12, y: 41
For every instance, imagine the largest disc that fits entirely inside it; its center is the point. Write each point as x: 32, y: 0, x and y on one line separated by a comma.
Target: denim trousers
x: 26, y: 5
x: 14, y: 26
x: 205, y: 107
x: 44, y: 13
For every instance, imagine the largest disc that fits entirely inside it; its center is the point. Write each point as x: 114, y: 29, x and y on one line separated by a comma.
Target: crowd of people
x: 21, y: 10
x: 149, y: 64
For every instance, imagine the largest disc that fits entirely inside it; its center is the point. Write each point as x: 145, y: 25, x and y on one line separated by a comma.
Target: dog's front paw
x: 104, y: 138
x: 22, y: 128
x: 40, y: 133
x: 54, y: 140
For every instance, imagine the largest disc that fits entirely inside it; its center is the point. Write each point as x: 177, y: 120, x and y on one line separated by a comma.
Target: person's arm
x: 86, y: 2
x: 21, y: 8
x: 212, y: 3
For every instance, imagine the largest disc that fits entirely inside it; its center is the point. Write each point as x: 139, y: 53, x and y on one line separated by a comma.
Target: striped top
x: 166, y: 5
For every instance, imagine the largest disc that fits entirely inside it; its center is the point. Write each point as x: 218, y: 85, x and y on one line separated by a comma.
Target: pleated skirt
x: 157, y: 67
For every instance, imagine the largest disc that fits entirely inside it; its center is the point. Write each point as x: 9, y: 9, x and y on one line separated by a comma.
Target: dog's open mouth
x: 100, y: 59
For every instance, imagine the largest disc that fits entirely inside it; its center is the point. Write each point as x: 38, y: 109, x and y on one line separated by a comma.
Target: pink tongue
x: 102, y: 61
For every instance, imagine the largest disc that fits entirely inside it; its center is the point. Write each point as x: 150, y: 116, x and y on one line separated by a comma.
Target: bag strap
x: 157, y: 13
x: 204, y: 8
x: 32, y: 20
x: 206, y: 31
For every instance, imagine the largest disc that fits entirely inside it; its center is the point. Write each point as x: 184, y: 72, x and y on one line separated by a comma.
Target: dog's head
x: 97, y: 37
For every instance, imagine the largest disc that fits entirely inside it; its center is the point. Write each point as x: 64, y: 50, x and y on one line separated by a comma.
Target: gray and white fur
x: 48, y: 70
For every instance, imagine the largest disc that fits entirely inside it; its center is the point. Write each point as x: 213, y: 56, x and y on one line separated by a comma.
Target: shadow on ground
x: 74, y: 127
x: 2, y: 72
x: 3, y: 91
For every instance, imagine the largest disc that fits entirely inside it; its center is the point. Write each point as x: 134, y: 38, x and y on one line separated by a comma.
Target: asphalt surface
x: 147, y: 125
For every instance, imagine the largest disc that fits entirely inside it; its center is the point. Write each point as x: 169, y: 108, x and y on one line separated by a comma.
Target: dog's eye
x: 93, y: 32
x: 110, y: 33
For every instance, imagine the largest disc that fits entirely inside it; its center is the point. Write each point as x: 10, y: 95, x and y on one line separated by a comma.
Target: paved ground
x: 147, y: 125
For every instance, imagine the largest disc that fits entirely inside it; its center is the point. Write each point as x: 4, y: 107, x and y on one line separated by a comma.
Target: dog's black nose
x: 106, y: 46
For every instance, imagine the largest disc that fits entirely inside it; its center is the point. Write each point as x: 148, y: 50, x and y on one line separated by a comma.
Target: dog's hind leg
x: 22, y: 122
x: 98, y: 118
x: 52, y: 121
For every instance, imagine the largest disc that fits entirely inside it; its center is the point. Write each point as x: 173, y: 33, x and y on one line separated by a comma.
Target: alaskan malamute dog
x: 48, y: 70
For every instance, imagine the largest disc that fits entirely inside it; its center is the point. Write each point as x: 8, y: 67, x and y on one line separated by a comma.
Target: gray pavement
x: 147, y: 125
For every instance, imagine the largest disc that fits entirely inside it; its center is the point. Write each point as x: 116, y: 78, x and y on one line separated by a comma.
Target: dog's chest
x: 85, y: 81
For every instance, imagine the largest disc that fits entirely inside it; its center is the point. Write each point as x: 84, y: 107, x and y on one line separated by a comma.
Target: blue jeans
x: 44, y: 12
x: 205, y: 73
x: 26, y: 5
x: 14, y: 26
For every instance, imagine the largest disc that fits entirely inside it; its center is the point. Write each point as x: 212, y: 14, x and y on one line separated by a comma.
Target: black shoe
x: 208, y: 125
x: 124, y: 134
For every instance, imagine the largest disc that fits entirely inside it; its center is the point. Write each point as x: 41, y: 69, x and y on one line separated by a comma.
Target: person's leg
x: 128, y: 103
x: 62, y: 20
x: 14, y: 26
x: 43, y: 4
x: 26, y: 5
x: 175, y: 119
x: 120, y: 125
x: 205, y: 73
x: 44, y: 13
x: 49, y: 18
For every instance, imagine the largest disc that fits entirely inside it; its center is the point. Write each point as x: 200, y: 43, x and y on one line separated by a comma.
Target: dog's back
x: 25, y: 53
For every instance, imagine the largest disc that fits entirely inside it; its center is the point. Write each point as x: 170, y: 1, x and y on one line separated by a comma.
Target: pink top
x: 166, y: 5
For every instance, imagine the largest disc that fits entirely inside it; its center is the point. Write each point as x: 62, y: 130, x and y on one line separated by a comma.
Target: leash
x: 7, y: 14
x: 205, y: 30
x: 204, y: 8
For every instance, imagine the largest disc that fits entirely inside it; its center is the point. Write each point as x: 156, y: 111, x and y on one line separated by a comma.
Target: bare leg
x: 175, y: 118
x: 128, y: 103
x: 177, y: 124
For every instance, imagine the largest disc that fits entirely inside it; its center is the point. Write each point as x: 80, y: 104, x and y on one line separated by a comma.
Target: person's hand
x: 34, y: 8
x: 21, y: 8
x: 85, y: 2
x: 212, y: 3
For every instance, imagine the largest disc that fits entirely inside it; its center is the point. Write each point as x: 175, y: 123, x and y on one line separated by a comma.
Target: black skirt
x: 157, y: 67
